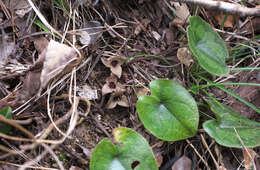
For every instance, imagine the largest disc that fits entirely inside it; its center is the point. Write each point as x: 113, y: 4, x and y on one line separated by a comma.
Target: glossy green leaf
x: 132, y: 151
x: 170, y: 113
x: 207, y: 46
x: 231, y: 129
x: 7, y: 113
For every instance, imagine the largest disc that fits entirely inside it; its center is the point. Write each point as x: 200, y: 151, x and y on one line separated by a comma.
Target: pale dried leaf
x: 184, y: 163
x: 249, y: 156
x: 181, y: 10
x: 106, y: 89
x: 117, y: 70
x: 58, y: 56
x: 185, y: 56
x: 111, y: 103
x: 93, y: 31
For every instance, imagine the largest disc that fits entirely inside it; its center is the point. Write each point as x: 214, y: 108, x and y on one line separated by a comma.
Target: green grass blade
x: 234, y: 95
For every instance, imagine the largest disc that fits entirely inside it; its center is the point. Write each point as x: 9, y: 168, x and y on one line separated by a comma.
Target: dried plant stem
x: 33, y: 167
x: 17, y: 126
x: 207, y: 147
x: 201, y: 158
x: 224, y: 6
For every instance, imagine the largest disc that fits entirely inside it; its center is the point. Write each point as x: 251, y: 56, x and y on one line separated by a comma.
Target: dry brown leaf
x: 58, y: 56
x: 40, y: 44
x: 249, y: 156
x: 184, y: 163
x: 32, y: 82
x: 230, y: 20
x: 181, y: 10
x: 112, y: 85
x: 114, y: 63
x: 117, y: 98
x: 220, y: 17
x: 53, y: 61
x: 185, y: 56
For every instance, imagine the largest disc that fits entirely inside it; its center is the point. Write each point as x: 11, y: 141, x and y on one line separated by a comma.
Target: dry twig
x: 224, y: 6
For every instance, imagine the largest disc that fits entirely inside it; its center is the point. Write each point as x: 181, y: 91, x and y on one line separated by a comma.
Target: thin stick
x: 207, y: 147
x: 241, y: 141
x: 224, y: 6
x: 14, y: 124
x: 201, y: 158
x: 45, y: 22
x: 33, y: 167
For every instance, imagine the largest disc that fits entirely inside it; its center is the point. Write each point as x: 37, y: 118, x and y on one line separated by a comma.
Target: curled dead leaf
x: 58, y: 56
x: 112, y: 85
x: 181, y: 10
x: 53, y: 61
x: 229, y: 20
x: 40, y: 44
x: 185, y: 56
x: 117, y: 98
x: 114, y: 63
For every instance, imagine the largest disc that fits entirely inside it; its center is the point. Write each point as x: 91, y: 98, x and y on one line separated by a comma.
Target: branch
x: 224, y: 6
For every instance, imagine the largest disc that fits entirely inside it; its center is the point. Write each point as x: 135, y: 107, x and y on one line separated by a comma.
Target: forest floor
x: 122, y: 46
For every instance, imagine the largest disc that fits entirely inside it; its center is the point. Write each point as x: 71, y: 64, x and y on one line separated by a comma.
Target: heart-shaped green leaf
x: 132, y: 152
x: 170, y: 113
x: 7, y: 113
x: 231, y: 129
x: 207, y: 46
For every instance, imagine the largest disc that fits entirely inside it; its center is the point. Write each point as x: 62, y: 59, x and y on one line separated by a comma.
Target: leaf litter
x: 154, y: 33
